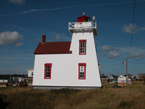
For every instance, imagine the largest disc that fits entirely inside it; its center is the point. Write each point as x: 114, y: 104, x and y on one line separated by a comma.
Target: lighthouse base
x: 64, y: 87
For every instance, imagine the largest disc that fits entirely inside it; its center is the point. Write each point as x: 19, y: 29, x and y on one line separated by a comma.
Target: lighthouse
x: 71, y: 64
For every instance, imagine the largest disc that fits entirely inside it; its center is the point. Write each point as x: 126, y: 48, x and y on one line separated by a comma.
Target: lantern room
x: 83, y: 18
x: 83, y: 24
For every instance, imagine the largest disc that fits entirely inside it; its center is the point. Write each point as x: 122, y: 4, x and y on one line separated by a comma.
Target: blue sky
x: 23, y: 22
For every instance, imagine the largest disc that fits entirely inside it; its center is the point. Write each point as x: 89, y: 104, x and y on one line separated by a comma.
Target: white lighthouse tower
x: 71, y: 64
x: 83, y: 48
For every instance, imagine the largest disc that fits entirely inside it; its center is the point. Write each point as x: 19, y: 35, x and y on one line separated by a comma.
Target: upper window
x: 82, y: 47
x: 82, y: 70
x: 47, y: 71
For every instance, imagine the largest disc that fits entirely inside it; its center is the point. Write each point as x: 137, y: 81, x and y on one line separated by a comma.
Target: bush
x: 64, y: 91
x: 123, y: 104
x: 3, y: 96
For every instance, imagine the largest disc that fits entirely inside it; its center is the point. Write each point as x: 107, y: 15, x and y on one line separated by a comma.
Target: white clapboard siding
x: 64, y: 71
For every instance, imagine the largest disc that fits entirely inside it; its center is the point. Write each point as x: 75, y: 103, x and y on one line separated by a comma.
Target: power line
x: 109, y: 62
x: 68, y: 7
x: 111, y: 65
x: 107, y: 56
x: 132, y: 26
x: 136, y: 63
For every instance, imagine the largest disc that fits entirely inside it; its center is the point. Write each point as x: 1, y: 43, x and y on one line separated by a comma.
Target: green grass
x: 106, y: 98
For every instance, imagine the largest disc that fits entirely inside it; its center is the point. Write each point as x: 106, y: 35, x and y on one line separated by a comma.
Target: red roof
x: 83, y: 17
x: 53, y: 48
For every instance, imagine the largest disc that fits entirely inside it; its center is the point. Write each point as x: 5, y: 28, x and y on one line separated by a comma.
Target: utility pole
x: 126, y: 68
x: 10, y: 76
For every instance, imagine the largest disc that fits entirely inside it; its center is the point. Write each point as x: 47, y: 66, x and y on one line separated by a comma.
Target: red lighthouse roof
x: 83, y: 18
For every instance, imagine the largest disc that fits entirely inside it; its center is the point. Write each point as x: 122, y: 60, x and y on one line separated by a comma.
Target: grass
x: 132, y: 96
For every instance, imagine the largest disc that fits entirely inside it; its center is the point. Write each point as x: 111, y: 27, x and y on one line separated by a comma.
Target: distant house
x: 103, y: 76
x: 140, y: 75
x: 115, y: 77
x: 121, y: 80
x: 110, y: 77
x: 129, y: 76
x: 29, y: 78
x: 3, y: 79
x: 10, y: 79
x: 30, y: 72
x: 137, y: 76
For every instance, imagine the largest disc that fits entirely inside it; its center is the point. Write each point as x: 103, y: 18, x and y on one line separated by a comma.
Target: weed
x: 105, y: 98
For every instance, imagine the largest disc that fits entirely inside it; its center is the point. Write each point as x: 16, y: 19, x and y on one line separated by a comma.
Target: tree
x: 141, y: 76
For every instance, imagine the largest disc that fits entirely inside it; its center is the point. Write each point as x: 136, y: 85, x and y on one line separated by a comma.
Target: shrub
x: 123, y: 104
x: 64, y: 91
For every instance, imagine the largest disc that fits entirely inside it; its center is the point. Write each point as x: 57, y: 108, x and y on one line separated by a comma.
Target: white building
x: 30, y: 72
x: 122, y: 80
x: 110, y: 77
x: 71, y: 64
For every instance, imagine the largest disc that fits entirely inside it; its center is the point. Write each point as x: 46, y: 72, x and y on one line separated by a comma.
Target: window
x: 47, y: 71
x: 31, y: 73
x: 82, y: 70
x: 82, y: 47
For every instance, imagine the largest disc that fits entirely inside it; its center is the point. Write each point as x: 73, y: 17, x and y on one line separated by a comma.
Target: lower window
x: 47, y: 70
x: 82, y: 70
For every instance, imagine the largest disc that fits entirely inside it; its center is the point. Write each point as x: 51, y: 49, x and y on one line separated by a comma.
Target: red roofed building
x: 71, y: 64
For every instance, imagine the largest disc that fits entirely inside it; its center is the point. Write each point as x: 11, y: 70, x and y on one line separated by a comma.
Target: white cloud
x: 102, y: 54
x: 102, y: 38
x: 107, y: 48
x: 128, y: 28
x: 133, y: 49
x: 57, y: 37
x: 20, y: 2
x: 142, y: 28
x: 18, y: 44
x: 62, y: 36
x: 113, y: 54
x: 8, y: 37
x: 137, y: 53
x: 137, y: 56
x: 38, y: 40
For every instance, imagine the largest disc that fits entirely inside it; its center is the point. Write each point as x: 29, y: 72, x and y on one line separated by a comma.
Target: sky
x: 23, y: 22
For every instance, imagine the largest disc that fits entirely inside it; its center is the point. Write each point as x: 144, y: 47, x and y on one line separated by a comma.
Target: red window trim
x: 80, y: 47
x: 47, y: 64
x: 82, y: 64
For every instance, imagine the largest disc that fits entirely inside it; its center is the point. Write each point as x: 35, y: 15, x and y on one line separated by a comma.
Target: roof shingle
x: 53, y: 48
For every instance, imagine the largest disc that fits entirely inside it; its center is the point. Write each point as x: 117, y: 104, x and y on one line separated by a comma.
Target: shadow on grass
x: 64, y: 91
x: 124, y: 104
x: 3, y: 104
